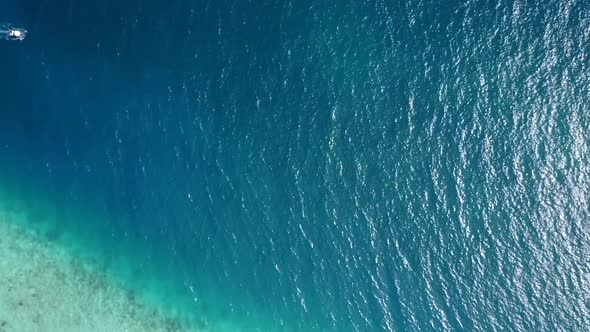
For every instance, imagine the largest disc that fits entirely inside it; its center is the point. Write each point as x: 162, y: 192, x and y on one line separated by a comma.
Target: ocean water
x: 311, y: 165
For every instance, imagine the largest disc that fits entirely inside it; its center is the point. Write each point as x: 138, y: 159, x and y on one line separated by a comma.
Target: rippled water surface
x: 312, y: 165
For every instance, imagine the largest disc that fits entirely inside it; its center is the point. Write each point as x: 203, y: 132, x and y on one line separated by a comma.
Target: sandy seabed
x: 43, y: 288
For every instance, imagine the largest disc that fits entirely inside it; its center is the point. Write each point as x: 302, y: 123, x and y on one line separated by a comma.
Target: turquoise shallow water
x: 308, y: 166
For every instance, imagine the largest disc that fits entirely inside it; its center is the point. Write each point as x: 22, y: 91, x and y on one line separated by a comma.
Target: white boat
x: 10, y: 33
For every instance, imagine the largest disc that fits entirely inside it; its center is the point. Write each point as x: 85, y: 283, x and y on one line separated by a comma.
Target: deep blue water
x: 312, y: 165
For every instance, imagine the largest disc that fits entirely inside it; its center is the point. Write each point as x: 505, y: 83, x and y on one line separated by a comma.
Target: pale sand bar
x: 43, y: 288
